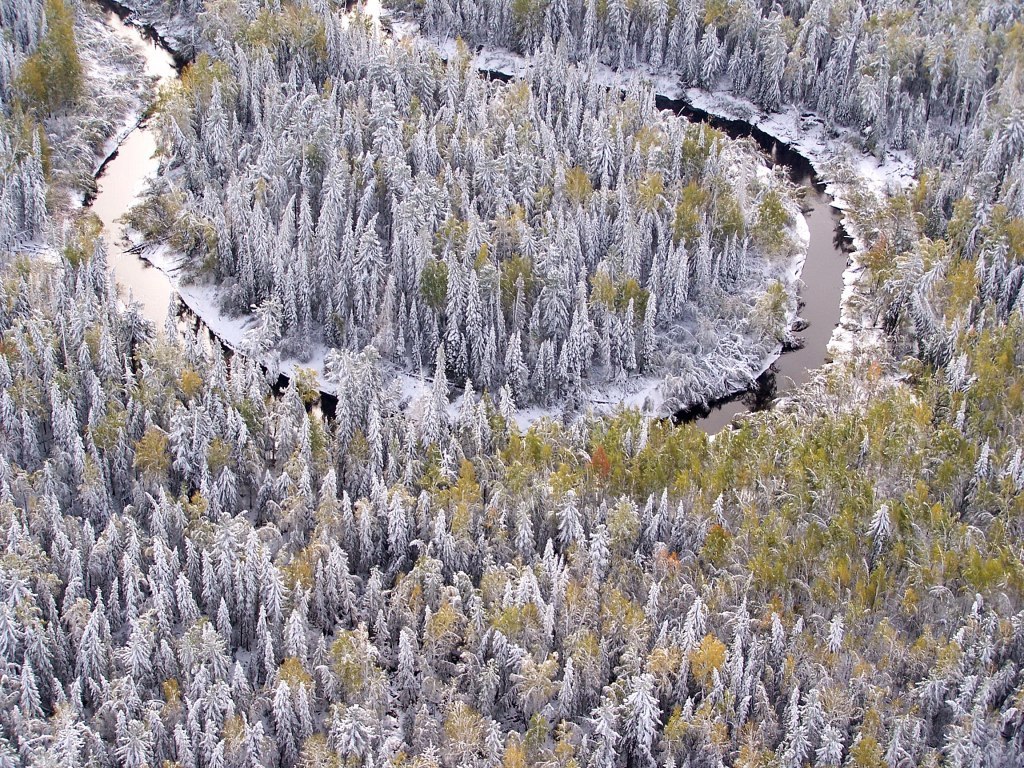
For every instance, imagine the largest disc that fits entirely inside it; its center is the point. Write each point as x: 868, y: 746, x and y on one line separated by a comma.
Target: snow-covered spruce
x: 172, y: 21
x: 64, y: 136
x: 196, y: 572
x: 850, y: 88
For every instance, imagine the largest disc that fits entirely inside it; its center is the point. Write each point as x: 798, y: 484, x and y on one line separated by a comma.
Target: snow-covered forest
x: 909, y: 75
x: 548, y: 235
x: 69, y: 91
x: 199, y: 571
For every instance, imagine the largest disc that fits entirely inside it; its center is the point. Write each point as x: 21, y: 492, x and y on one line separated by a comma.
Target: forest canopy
x: 545, y: 234
x: 201, y: 570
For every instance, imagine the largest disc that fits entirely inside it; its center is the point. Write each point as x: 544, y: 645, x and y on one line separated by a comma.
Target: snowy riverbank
x: 116, y: 92
x: 741, y: 359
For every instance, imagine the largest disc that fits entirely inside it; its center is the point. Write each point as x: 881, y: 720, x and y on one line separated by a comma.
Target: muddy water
x: 125, y: 175
x: 120, y: 183
x: 820, y: 294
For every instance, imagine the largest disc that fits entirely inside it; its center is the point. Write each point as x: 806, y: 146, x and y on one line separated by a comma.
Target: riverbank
x: 123, y: 175
x: 707, y: 353
x: 174, y: 34
x: 115, y: 92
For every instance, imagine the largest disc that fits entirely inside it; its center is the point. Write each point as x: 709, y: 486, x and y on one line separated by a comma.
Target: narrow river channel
x: 822, y: 277
x: 123, y: 179
x: 121, y: 182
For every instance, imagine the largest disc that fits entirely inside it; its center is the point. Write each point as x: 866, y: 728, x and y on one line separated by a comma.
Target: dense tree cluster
x: 23, y: 213
x: 50, y: 78
x: 897, y: 71
x: 66, y: 87
x: 22, y: 183
x: 200, y: 572
x: 24, y: 26
x: 946, y: 259
x: 547, y: 234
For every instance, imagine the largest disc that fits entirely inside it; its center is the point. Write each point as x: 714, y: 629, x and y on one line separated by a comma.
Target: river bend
x: 123, y: 178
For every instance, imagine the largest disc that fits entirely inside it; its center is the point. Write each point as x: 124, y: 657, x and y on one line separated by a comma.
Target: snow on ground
x: 157, y: 68
x: 177, y: 30
x: 832, y: 153
x: 807, y: 134
x: 804, y: 131
x: 204, y: 300
x: 857, y: 332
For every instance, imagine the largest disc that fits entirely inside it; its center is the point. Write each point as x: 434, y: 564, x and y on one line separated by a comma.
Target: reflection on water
x: 122, y: 181
x: 820, y: 295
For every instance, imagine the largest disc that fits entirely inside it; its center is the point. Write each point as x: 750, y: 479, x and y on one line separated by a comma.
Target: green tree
x: 152, y: 455
x: 51, y: 78
x: 692, y: 201
x: 769, y: 315
x: 434, y: 284
x: 772, y: 217
x: 577, y: 186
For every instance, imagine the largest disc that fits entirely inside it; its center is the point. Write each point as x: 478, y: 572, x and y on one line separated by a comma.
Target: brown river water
x: 122, y: 180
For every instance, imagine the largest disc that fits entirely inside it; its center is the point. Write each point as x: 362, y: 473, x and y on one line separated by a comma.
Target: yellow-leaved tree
x: 50, y: 79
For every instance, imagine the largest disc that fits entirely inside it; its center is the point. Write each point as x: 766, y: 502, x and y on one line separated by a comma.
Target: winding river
x: 123, y: 178
x: 121, y: 181
x: 822, y: 278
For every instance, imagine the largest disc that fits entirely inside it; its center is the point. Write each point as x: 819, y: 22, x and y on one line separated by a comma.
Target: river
x: 123, y: 178
x: 121, y: 181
